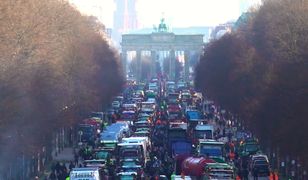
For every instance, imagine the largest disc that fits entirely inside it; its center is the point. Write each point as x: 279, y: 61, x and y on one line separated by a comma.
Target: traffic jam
x: 166, y: 130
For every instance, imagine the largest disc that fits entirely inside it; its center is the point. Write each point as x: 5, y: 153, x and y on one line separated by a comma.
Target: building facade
x: 172, y: 46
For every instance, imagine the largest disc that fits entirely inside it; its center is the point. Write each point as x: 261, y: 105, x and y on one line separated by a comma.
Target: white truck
x: 145, y: 140
x: 133, y: 151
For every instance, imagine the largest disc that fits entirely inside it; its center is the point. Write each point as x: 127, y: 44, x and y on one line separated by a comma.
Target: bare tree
x: 260, y: 71
x: 54, y: 64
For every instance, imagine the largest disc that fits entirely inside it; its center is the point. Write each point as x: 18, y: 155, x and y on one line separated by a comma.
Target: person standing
x: 245, y: 174
x: 58, y: 167
x: 71, y: 166
x: 173, y: 176
x: 76, y: 158
x: 52, y: 176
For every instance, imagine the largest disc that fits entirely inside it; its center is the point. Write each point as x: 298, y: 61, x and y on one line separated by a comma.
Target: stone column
x: 124, y: 61
x: 153, y: 63
x: 186, y: 64
x: 172, y: 65
x: 138, y: 68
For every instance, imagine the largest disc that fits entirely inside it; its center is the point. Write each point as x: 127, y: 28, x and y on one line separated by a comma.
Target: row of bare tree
x: 55, y: 66
x: 260, y: 72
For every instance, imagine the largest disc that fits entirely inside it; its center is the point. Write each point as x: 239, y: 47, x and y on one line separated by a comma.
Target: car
x: 257, y: 157
x: 150, y: 94
x: 102, y: 154
x: 154, y: 80
x: 142, y: 124
x: 141, y: 134
x: 260, y: 168
x: 95, y: 163
x: 249, y: 146
x: 163, y: 177
x: 186, y: 97
x: 153, y: 86
x: 94, y: 121
x: 99, y: 115
x: 127, y: 175
x: 170, y: 85
x: 143, y: 129
x: 141, y: 115
x: 119, y: 98
x: 130, y: 164
x: 179, y: 177
x: 139, y: 93
x: 128, y: 116
x: 259, y: 165
x: 130, y: 107
x: 116, y: 104
x: 110, y: 112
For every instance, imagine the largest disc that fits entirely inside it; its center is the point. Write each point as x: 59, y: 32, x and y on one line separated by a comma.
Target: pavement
x: 65, y: 156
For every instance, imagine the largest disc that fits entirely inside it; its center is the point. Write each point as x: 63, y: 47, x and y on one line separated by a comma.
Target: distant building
x: 245, y: 5
x: 125, y: 18
x: 205, y: 30
x: 108, y: 32
x: 221, y: 29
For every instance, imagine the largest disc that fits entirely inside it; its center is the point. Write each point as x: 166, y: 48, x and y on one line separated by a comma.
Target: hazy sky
x: 178, y: 13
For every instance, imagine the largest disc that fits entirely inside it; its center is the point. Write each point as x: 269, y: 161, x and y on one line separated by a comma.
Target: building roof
x: 188, y: 30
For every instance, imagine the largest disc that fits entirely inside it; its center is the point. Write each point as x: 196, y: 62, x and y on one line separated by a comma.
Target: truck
x: 150, y: 94
x: 181, y: 85
x: 109, y: 141
x: 94, y: 121
x: 153, y: 86
x: 249, y: 146
x: 186, y: 98
x: 148, y: 107
x: 133, y: 151
x: 179, y: 161
x: 144, y: 140
x: 92, y: 173
x: 207, y: 168
x: 128, y: 116
x: 212, y: 149
x: 219, y: 171
x: 113, y: 134
x: 203, y: 131
x: 193, y: 117
x: 173, y: 98
x: 87, y: 133
x: 178, y: 140
x: 170, y: 86
x: 195, y: 166
x: 99, y: 115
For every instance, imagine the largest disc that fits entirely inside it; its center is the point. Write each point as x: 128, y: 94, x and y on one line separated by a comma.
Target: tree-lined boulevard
x: 57, y: 67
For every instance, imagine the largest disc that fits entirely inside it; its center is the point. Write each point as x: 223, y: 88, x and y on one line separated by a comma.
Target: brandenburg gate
x: 161, y: 41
